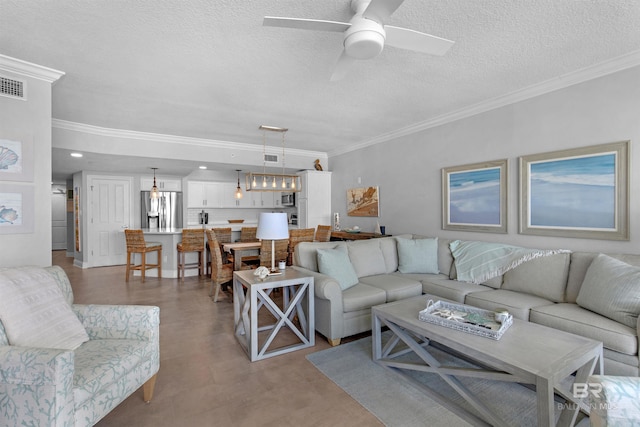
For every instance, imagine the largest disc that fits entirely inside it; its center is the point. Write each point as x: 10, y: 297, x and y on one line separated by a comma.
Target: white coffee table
x: 527, y: 353
x: 297, y: 300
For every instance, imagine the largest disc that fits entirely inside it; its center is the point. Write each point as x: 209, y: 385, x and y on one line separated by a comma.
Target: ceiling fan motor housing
x: 364, y: 39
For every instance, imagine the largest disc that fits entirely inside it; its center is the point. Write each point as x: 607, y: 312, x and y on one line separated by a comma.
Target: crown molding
x: 27, y: 69
x: 585, y: 74
x: 173, y: 139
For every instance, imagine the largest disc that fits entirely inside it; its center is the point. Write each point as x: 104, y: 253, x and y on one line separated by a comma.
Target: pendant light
x: 238, y: 189
x: 154, y: 189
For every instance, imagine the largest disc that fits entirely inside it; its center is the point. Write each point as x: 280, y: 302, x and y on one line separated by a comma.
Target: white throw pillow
x: 335, y: 263
x: 35, y: 313
x: 418, y: 255
x: 612, y: 288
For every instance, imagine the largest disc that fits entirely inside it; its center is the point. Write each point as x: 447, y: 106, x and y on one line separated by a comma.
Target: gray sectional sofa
x: 547, y: 290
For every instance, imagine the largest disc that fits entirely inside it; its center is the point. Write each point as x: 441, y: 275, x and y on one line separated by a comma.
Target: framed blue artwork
x: 474, y: 197
x: 582, y: 192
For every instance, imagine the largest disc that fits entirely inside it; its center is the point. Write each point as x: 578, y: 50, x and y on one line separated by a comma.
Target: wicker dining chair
x: 281, y: 252
x: 137, y: 245
x: 323, y: 234
x: 192, y: 241
x: 221, y: 272
x: 248, y: 234
x: 296, y: 236
x: 223, y: 235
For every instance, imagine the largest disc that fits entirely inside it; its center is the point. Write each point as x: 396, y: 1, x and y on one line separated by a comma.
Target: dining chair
x: 221, y: 272
x: 192, y: 241
x: 136, y: 244
x: 248, y: 234
x: 323, y: 233
x: 281, y: 252
x: 296, y: 236
x: 223, y: 235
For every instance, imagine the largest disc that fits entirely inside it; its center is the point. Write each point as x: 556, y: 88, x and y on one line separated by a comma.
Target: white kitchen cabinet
x: 163, y: 184
x: 262, y: 199
x: 202, y: 194
x: 314, y: 199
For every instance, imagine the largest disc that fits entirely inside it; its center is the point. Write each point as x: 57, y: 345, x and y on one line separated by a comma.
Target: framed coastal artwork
x: 474, y: 197
x: 581, y: 192
x: 364, y: 201
x: 16, y: 209
x: 16, y: 160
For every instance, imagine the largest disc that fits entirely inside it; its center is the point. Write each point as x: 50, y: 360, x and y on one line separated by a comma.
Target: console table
x: 259, y: 341
x: 345, y: 235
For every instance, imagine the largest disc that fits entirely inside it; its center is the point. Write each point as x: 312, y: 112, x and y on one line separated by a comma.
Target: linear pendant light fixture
x: 271, y: 181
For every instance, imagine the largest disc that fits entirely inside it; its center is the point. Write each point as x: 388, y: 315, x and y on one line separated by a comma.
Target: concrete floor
x: 205, y: 377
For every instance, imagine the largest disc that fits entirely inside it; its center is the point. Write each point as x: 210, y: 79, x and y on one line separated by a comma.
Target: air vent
x: 271, y: 158
x: 12, y: 88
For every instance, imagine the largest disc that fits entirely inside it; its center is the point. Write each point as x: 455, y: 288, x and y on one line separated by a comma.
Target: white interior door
x: 59, y: 219
x: 109, y: 215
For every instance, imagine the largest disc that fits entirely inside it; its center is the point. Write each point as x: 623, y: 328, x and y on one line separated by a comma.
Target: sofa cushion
x: 443, y: 287
x: 545, y: 277
x: 335, y: 263
x: 306, y: 253
x: 518, y: 304
x: 366, y: 257
x: 397, y: 287
x: 362, y: 296
x: 390, y: 252
x: 418, y: 255
x: 577, y: 320
x: 494, y: 282
x: 34, y: 311
x: 612, y: 288
x: 580, y: 262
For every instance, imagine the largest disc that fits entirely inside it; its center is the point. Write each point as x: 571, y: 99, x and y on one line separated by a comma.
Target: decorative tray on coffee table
x: 465, y: 318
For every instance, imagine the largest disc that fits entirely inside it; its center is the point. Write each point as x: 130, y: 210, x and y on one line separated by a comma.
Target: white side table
x: 297, y: 300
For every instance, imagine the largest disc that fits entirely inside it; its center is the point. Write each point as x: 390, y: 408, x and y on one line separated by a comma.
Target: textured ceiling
x: 209, y: 69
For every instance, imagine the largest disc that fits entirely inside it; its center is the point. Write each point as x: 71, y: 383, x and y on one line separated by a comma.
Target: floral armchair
x: 53, y: 387
x: 614, y: 401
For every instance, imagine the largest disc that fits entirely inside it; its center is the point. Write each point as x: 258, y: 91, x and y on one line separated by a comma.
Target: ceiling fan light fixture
x: 364, y: 39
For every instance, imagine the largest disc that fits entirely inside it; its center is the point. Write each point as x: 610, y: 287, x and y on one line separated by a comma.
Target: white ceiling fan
x: 365, y: 34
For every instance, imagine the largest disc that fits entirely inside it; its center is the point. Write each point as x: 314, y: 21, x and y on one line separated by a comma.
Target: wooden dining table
x: 241, y: 249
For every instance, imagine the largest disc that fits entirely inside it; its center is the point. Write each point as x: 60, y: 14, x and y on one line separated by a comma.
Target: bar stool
x: 137, y: 245
x: 192, y: 241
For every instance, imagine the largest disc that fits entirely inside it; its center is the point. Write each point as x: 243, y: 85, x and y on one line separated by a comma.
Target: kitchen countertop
x: 162, y: 230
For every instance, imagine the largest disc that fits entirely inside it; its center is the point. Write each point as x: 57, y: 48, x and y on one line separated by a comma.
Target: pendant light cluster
x: 272, y: 181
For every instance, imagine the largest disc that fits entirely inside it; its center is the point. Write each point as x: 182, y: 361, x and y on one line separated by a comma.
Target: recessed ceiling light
x: 76, y: 154
x: 203, y: 167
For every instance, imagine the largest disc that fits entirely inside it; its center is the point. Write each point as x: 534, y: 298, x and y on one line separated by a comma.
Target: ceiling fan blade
x: 342, y: 66
x: 404, y: 38
x: 305, y: 24
x: 380, y: 10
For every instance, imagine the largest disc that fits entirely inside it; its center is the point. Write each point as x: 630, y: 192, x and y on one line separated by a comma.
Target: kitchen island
x: 169, y: 239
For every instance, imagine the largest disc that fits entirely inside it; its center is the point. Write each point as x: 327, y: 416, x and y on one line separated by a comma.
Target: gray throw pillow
x: 612, y: 288
x: 418, y: 255
x: 335, y: 263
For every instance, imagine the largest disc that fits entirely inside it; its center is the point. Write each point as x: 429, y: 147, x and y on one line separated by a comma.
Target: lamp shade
x: 272, y: 226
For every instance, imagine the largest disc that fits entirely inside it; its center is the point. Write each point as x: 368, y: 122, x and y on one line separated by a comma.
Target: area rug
x: 397, y: 403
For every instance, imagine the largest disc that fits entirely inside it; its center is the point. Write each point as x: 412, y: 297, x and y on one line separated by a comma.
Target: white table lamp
x: 272, y: 226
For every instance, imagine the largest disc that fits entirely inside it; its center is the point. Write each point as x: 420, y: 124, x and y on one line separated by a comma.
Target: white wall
x: 407, y: 169
x: 25, y: 121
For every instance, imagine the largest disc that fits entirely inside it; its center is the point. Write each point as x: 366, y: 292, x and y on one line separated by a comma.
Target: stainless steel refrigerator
x: 163, y: 212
